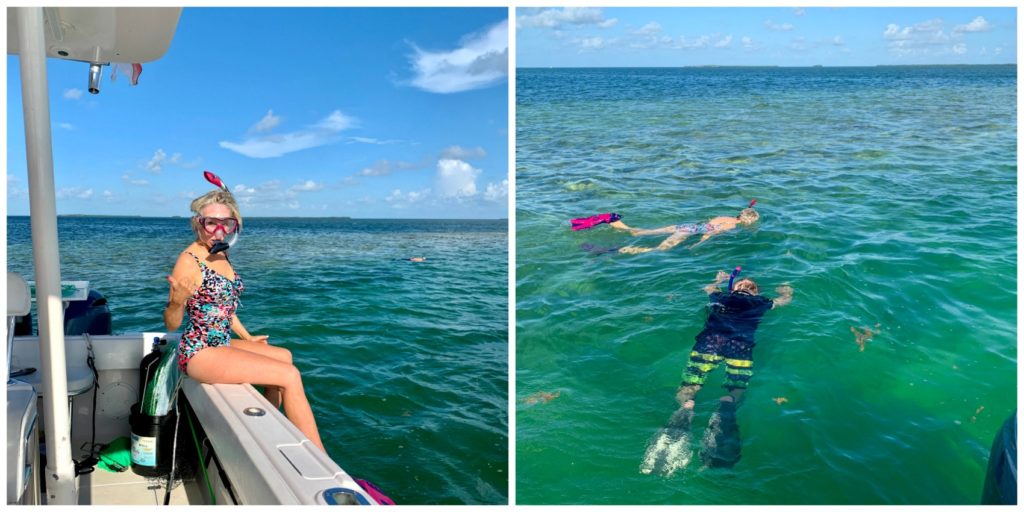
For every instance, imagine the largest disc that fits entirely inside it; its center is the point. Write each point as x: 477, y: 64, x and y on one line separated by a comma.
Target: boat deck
x: 103, y: 487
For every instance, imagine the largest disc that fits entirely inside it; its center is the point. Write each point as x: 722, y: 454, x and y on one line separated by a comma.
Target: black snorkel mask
x: 229, y: 239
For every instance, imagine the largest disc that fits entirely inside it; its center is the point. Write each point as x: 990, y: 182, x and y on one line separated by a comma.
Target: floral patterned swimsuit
x: 208, y: 313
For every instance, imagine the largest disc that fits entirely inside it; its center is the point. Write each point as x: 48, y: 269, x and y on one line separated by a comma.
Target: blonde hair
x: 214, y: 197
x: 748, y: 216
x: 745, y: 285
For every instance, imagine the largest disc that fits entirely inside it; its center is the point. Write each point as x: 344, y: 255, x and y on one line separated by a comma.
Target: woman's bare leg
x: 273, y: 393
x: 674, y: 240
x: 232, y: 365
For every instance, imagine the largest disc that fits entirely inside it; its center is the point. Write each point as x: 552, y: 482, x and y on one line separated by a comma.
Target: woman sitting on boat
x: 206, y: 288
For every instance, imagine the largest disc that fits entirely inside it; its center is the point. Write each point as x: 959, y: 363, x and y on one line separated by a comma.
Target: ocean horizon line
x: 762, y: 66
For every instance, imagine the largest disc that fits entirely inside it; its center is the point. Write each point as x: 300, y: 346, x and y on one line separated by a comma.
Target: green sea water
x: 887, y: 198
x: 405, y: 364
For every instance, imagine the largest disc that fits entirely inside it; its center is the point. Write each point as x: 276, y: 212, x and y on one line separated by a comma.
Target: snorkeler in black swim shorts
x: 728, y: 336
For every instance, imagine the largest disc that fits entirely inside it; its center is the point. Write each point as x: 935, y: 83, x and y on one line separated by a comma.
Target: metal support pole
x: 60, y: 469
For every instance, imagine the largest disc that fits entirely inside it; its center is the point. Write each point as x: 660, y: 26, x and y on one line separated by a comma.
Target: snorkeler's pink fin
x: 593, y: 220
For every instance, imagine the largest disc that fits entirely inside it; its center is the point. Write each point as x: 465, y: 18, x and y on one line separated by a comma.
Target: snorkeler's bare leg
x: 685, y: 395
x: 667, y: 230
x: 669, y: 449
x: 675, y: 239
x: 632, y: 249
x: 231, y: 365
x: 272, y: 393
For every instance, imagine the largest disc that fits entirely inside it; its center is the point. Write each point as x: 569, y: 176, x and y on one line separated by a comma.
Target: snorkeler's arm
x: 719, y: 279
x: 785, y: 296
x: 184, y: 280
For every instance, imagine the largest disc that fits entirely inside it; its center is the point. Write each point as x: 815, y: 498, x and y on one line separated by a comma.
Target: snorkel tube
x: 229, y: 239
x: 732, y: 277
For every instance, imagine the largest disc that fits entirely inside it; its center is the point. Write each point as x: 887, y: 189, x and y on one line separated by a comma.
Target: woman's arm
x: 236, y: 325
x: 184, y: 280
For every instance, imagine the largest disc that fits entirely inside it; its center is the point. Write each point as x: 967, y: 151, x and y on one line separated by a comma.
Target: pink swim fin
x: 593, y: 220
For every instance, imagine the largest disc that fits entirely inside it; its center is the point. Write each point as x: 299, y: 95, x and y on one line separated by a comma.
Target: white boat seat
x: 19, y: 303
x: 80, y: 377
x: 80, y: 380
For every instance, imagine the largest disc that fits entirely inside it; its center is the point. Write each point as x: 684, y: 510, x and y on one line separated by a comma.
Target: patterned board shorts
x: 708, y: 353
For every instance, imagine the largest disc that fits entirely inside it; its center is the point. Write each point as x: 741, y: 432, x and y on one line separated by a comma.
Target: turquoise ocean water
x: 405, y: 364
x: 887, y: 197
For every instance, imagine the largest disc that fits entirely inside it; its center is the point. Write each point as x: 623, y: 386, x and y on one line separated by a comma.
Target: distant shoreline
x: 771, y: 66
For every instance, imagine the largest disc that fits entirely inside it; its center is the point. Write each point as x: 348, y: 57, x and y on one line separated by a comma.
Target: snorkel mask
x: 230, y: 235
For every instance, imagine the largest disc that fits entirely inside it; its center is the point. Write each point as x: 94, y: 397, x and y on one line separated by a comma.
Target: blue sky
x: 778, y: 36
x: 361, y: 112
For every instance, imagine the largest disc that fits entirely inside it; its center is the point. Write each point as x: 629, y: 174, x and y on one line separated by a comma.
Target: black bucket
x: 152, y: 442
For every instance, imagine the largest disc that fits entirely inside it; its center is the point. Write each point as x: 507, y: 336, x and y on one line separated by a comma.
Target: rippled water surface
x: 405, y: 364
x: 887, y: 198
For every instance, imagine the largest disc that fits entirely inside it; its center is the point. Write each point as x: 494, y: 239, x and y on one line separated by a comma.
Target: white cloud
x: 270, y: 195
x: 650, y: 29
x: 371, y: 140
x: 724, y: 42
x: 591, y: 43
x: 336, y: 122
x: 700, y: 42
x: 385, y: 167
x: 480, y: 61
x: 782, y: 27
x: 155, y: 164
x: 73, y: 94
x: 460, y: 153
x: 108, y: 195
x: 66, y: 126
x: 455, y: 178
x: 306, y: 186
x: 128, y: 179
x: 322, y: 133
x: 266, y: 124
x: 976, y: 25
x: 74, y: 193
x: 554, y: 18
x: 925, y: 38
x: 747, y: 43
x: 799, y: 11
x: 496, y: 191
x: 838, y: 41
x: 399, y: 200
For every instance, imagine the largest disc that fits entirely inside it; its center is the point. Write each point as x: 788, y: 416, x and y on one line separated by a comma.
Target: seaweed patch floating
x: 864, y: 337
